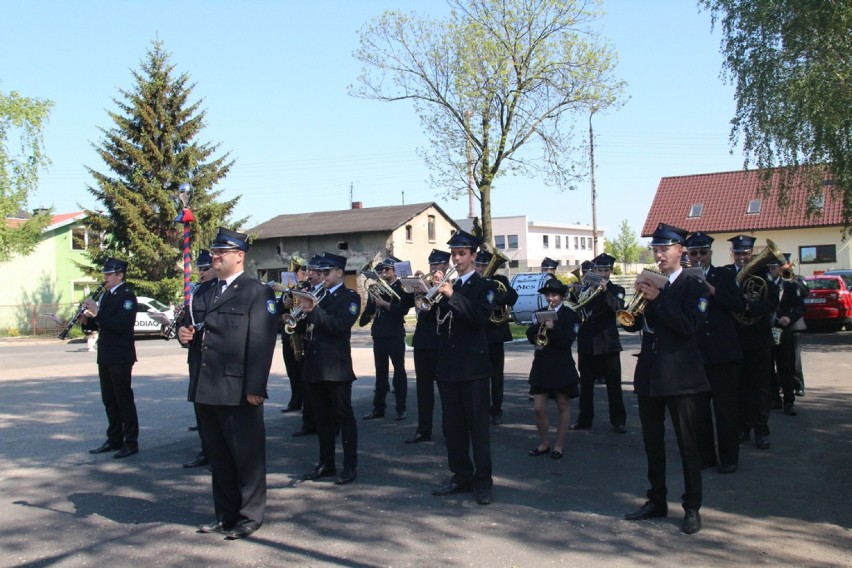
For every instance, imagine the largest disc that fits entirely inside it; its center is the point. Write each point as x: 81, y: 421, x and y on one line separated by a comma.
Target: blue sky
x: 273, y: 77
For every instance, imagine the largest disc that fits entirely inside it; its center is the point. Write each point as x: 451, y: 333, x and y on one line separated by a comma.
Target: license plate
x: 814, y: 300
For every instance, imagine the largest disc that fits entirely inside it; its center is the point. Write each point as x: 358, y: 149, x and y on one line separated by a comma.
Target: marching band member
x: 388, y: 333
x: 790, y: 320
x: 463, y: 371
x: 670, y: 375
x: 309, y: 421
x: 553, y: 373
x: 549, y: 266
x: 292, y: 359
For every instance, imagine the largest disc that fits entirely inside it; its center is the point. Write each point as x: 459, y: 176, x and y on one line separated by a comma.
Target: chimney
x: 357, y: 205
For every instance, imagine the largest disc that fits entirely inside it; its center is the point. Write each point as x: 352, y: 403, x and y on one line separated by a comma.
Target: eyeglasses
x: 385, y: 268
x: 204, y: 269
x: 699, y: 252
x: 222, y: 252
x: 325, y: 271
x: 741, y: 252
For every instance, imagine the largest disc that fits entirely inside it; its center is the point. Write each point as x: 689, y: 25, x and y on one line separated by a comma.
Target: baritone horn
x: 501, y: 312
x: 750, y: 281
x: 627, y: 316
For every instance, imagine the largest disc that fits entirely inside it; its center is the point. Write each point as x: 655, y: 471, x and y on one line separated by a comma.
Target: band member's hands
x: 287, y: 302
x: 185, y: 334
x: 649, y: 291
x: 91, y: 307
x: 254, y: 399
x: 307, y: 306
x: 382, y: 303
x: 783, y: 321
x: 446, y: 288
x: 548, y: 324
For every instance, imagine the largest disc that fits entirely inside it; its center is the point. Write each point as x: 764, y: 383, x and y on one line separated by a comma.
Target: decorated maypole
x: 186, y: 217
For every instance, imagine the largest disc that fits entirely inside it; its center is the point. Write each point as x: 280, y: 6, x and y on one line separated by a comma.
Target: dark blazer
x: 553, y: 366
x: 464, y: 343
x: 599, y: 332
x: 193, y: 355
x: 501, y: 333
x: 717, y: 337
x: 426, y: 330
x: 390, y: 322
x: 327, y: 329
x: 238, y: 341
x: 792, y: 302
x: 759, y: 334
x: 670, y: 362
x: 115, y: 322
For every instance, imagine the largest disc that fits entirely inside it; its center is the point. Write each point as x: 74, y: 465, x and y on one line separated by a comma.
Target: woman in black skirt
x: 553, y: 374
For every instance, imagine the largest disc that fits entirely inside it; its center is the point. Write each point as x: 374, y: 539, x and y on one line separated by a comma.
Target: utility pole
x: 594, y: 193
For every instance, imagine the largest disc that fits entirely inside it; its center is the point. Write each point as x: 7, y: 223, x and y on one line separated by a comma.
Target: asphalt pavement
x: 787, y: 506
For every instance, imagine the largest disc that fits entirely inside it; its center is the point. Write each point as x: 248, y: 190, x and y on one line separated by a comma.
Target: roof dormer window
x: 754, y: 207
x: 695, y: 210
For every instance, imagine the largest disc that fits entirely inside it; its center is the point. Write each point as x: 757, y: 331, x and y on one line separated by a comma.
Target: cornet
x: 432, y: 296
x: 298, y: 313
x: 627, y: 316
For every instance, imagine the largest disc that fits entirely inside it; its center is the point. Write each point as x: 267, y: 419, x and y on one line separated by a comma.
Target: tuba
x: 501, y: 312
x: 593, y: 286
x: 756, y: 287
x: 627, y: 316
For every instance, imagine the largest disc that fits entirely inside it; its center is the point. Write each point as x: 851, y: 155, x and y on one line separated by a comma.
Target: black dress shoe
x: 483, y: 496
x: 374, y: 414
x: 649, y: 510
x: 761, y: 442
x: 400, y: 416
x: 620, y: 429
x: 321, y: 470
x: 213, y: 527
x: 800, y: 392
x: 240, y: 530
x: 193, y: 428
x: 451, y: 488
x: 199, y: 461
x: 727, y: 468
x: 104, y: 448
x: 348, y: 476
x: 497, y: 419
x: 579, y: 426
x: 126, y: 451
x: 691, y: 522
x: 300, y: 433
x: 789, y: 409
x: 417, y: 438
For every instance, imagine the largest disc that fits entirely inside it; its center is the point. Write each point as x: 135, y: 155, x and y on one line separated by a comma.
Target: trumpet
x: 541, y: 338
x: 431, y: 297
x: 96, y: 295
x: 298, y: 313
x: 788, y: 271
x: 627, y: 316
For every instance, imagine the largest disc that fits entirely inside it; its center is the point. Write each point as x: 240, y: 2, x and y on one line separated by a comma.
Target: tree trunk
x: 485, y: 215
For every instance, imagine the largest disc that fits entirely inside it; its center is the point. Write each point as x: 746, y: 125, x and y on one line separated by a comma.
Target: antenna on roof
x: 403, y: 197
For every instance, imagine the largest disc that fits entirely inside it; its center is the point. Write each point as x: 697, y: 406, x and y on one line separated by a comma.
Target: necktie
x: 219, y: 290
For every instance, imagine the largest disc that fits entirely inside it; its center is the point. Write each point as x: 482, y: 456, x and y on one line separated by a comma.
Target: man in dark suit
x: 426, y: 346
x: 237, y: 344
x: 788, y: 320
x: 114, y: 318
x: 388, y: 332
x: 599, y: 351
x: 754, y: 329
x: 309, y: 421
x: 722, y: 355
x: 328, y: 369
x: 670, y: 375
x: 292, y: 344
x: 193, y: 316
x: 464, y: 368
x: 497, y: 329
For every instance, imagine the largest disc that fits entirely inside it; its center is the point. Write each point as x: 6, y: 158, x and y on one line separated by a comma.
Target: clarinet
x: 170, y: 331
x: 96, y: 295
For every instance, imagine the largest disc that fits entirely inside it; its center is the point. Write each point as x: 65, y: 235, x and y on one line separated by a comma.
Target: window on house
x: 557, y: 241
x: 545, y: 241
x: 513, y: 264
x: 753, y: 207
x: 576, y: 243
x: 431, y: 228
x: 696, y: 210
x: 817, y: 202
x: 818, y: 254
x: 500, y: 242
x: 408, y: 234
x: 583, y: 243
x: 513, y: 241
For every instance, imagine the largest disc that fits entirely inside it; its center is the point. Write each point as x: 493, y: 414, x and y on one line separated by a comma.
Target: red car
x: 829, y: 302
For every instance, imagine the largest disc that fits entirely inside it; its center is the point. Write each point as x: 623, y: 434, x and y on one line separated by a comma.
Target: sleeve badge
x: 490, y: 296
x: 702, y: 305
x: 270, y: 307
x: 353, y: 308
x: 127, y: 305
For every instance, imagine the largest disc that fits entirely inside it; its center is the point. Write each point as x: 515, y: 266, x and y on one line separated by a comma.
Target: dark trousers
x: 723, y: 378
x: 426, y: 370
x: 200, y: 431
x: 608, y: 366
x: 465, y: 408
x: 754, y: 392
x: 683, y: 410
x: 294, y: 373
x: 117, y: 396
x: 496, y: 352
x: 332, y: 403
x: 784, y: 358
x: 392, y: 348
x: 798, y: 375
x: 236, y: 447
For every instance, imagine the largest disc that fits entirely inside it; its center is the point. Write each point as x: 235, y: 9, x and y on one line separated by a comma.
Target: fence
x: 33, y: 319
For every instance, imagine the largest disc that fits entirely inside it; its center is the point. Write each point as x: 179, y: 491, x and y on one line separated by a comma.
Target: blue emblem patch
x: 353, y: 308
x: 620, y: 296
x: 270, y: 307
x: 127, y: 305
x: 702, y: 305
x: 576, y: 328
x: 490, y: 296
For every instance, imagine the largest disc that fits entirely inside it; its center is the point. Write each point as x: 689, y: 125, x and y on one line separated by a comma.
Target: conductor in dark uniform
x: 722, y: 355
x: 328, y: 369
x: 464, y: 367
x: 426, y: 344
x: 388, y: 332
x: 237, y: 344
x: 670, y: 375
x: 599, y: 351
x: 497, y: 330
x: 114, y: 318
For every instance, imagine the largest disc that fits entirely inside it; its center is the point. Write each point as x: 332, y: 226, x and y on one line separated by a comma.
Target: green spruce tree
x: 150, y: 149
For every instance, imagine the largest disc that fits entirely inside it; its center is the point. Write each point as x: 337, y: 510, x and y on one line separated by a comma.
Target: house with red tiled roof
x: 726, y: 204
x: 47, y: 279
